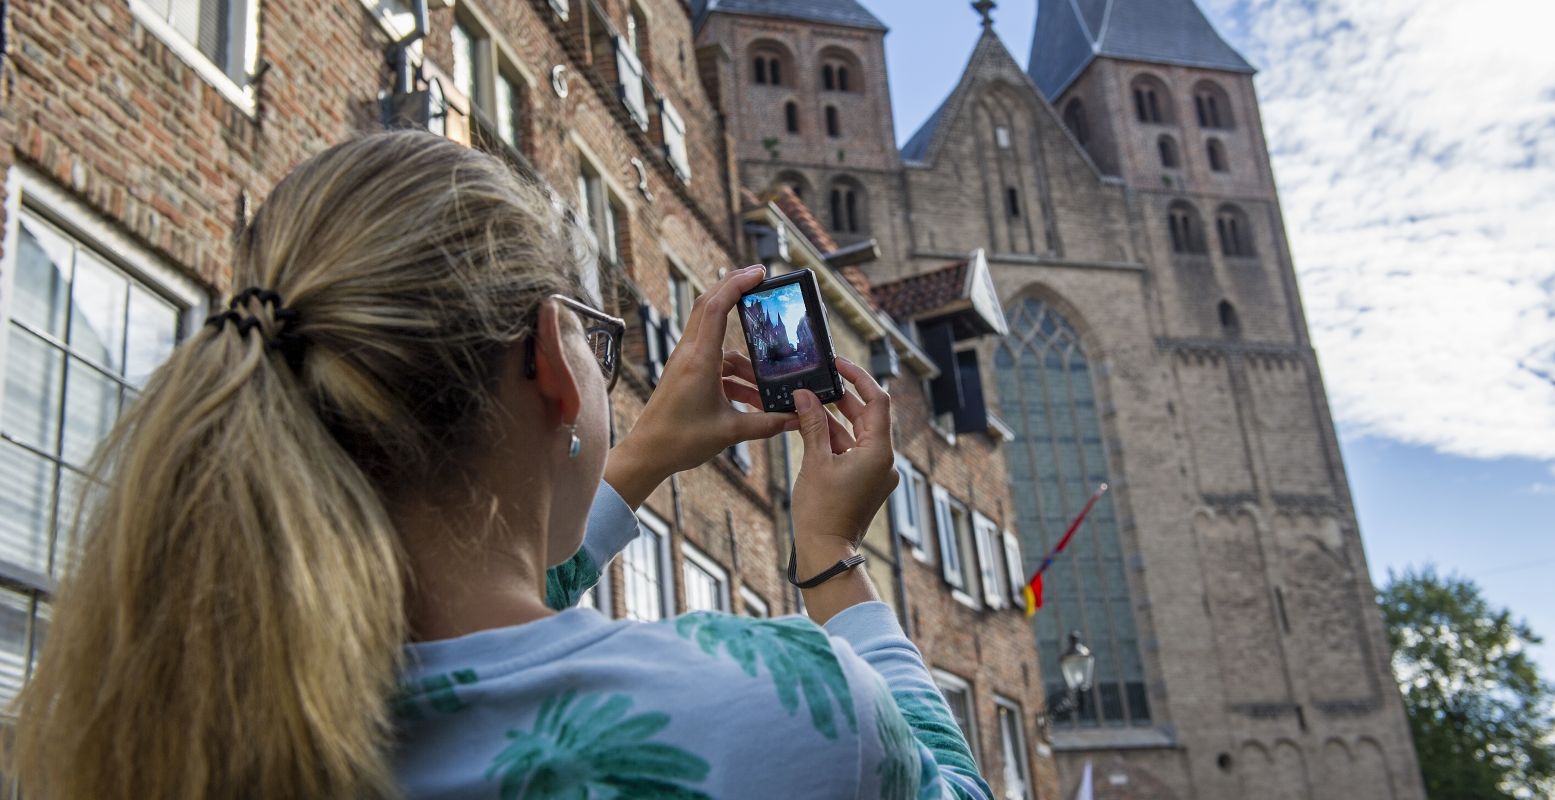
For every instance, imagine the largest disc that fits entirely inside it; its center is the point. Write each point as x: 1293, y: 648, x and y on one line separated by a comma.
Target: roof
x: 1072, y: 33
x: 908, y: 297
x: 834, y: 12
x: 804, y: 219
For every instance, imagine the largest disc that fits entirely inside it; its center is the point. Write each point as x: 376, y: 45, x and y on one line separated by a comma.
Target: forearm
x: 839, y: 593
x: 633, y: 473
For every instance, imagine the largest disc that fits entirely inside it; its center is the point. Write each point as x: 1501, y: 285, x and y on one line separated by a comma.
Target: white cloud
x: 1414, y: 146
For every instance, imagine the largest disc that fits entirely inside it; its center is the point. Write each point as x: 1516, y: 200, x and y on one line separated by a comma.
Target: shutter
x: 630, y: 74
x: 949, y: 563
x: 674, y: 129
x: 1016, y: 569
x: 972, y: 414
x: 983, y: 532
x: 939, y: 342
x: 902, y: 505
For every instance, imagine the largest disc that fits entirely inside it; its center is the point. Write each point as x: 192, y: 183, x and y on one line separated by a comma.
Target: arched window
x: 1152, y: 102
x: 839, y: 67
x: 791, y: 116
x: 1074, y: 120
x: 1168, y: 149
x: 1047, y: 394
x: 848, y: 211
x: 776, y: 67
x: 828, y: 77
x: 759, y: 71
x: 1229, y: 324
x: 833, y: 127
x: 1217, y: 155
x: 1213, y: 106
x: 1235, y: 234
x: 769, y: 57
x: 1012, y: 202
x: 795, y: 181
x: 1187, y: 230
x: 842, y: 79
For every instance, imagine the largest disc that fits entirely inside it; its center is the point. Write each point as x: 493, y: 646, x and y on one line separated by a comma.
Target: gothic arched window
x: 1186, y: 228
x: 1058, y: 458
x: 1213, y: 106
x: 1152, y: 102
x: 848, y: 209
x: 1235, y: 233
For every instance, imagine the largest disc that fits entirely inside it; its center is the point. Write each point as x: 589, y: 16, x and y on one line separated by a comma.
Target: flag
x: 1033, y: 590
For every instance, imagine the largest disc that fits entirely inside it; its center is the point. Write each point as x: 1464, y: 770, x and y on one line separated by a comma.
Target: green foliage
x: 1481, y: 716
x: 796, y: 653
x: 593, y: 749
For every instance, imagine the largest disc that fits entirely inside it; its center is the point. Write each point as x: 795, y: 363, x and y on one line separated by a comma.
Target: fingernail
x: 753, y: 267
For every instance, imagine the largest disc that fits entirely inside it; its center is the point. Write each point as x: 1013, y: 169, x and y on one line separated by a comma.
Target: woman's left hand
x: 690, y: 418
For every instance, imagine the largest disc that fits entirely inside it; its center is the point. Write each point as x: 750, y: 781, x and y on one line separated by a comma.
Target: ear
x: 554, y: 377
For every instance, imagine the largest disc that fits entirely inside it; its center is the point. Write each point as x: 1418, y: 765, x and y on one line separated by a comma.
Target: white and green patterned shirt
x: 700, y: 706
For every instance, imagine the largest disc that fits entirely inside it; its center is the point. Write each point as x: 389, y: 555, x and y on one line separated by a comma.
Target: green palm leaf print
x: 899, y: 762
x: 796, y: 653
x: 590, y: 748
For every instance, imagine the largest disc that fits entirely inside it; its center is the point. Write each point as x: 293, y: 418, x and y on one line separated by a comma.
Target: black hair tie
x: 286, y: 340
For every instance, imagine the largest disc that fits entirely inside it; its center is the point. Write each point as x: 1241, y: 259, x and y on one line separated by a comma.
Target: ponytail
x: 234, y: 624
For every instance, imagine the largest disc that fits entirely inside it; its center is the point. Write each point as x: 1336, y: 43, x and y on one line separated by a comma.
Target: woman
x: 318, y: 562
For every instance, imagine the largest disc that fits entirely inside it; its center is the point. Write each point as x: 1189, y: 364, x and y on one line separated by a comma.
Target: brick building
x: 1117, y: 188
x: 136, y: 136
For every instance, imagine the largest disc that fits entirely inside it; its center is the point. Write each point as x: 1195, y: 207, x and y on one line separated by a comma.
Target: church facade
x: 1118, y: 188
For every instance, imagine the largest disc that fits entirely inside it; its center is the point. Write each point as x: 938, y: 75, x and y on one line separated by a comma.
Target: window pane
x: 42, y: 278
x: 91, y: 406
x: 24, y: 507
x: 153, y: 331
x: 464, y: 60
x: 98, y: 300
x: 66, y: 510
x: 15, y: 610
x: 33, y: 381
x: 640, y: 566
x: 704, y: 592
x: 507, y: 107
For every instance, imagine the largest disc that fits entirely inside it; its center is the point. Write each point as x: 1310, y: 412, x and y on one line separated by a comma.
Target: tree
x: 1480, y: 714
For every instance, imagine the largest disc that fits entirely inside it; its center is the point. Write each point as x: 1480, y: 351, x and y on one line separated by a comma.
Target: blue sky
x: 1414, y: 146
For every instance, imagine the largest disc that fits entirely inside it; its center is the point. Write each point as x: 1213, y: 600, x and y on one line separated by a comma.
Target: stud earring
x: 575, y: 446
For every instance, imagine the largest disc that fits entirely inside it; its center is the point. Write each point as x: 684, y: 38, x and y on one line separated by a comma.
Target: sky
x: 1413, y: 144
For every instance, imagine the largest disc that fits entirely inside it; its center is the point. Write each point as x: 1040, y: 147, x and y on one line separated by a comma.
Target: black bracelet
x: 836, y: 569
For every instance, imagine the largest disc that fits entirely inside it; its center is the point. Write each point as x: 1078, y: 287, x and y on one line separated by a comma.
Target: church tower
x: 809, y: 106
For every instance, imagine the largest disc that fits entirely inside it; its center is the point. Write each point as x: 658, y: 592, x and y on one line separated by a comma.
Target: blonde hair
x: 234, y: 624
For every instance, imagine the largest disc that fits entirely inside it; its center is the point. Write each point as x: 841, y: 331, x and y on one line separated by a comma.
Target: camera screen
x: 782, y: 342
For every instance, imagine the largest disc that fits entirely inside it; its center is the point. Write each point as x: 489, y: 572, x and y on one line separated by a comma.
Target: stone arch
x: 1152, y: 100
x: 1235, y: 232
x: 1213, y: 106
x: 1373, y: 776
x: 765, y: 53
x: 847, y: 206
x: 840, y: 70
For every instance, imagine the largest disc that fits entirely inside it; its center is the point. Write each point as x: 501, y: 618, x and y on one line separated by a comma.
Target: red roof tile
x: 911, y: 296
x: 802, y: 217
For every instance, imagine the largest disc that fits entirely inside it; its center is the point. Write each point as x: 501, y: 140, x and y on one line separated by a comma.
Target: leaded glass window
x: 1047, y: 394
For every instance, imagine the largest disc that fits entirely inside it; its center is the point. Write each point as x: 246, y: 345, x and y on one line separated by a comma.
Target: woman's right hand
x: 845, y: 477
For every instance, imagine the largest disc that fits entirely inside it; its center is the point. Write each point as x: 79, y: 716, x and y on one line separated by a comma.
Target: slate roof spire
x: 1071, y: 33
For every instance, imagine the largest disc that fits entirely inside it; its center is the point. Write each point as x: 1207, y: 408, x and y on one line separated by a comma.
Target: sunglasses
x: 604, y: 333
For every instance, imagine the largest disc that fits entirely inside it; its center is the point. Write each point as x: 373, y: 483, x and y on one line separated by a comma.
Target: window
x: 1152, y: 102
x: 759, y: 71
x: 706, y: 583
x: 598, y: 598
x: 637, y: 33
x: 466, y: 46
x: 795, y: 181
x: 598, y: 212
x: 1001, y: 137
x: 833, y: 126
x: 953, y: 523
x: 1236, y: 240
x: 828, y: 77
x: 645, y: 567
x: 842, y: 79
x: 847, y: 214
x: 990, y: 561
x: 509, y: 112
x: 768, y: 58
x: 682, y: 294
x: 753, y: 605
x: 1057, y: 459
x: 776, y: 68
x: 1074, y: 120
x: 1217, y: 155
x: 1168, y: 149
x: 1012, y: 202
x: 629, y: 72
x: 1015, y: 568
x: 83, y: 334
x: 1213, y: 106
x: 958, y: 696
x: 674, y: 128
x: 1228, y: 321
x: 791, y: 116
x: 910, y: 508
x: 1012, y: 746
x: 217, y: 38
x: 1187, y: 232
x: 838, y: 70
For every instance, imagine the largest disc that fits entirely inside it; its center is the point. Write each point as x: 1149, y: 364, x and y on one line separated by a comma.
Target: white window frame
x: 989, y: 555
x: 563, y: 8
x: 629, y: 77
x: 1023, y: 767
x: 953, y: 564
x: 598, y: 209
x: 947, y: 683
x: 749, y: 599
x: 241, y: 95
x: 911, y: 509
x: 675, y: 147
x: 1015, y: 566
x: 656, y: 526
x: 693, y: 557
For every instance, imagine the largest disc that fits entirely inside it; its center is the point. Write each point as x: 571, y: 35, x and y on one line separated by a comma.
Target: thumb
x: 814, y: 424
x: 762, y: 425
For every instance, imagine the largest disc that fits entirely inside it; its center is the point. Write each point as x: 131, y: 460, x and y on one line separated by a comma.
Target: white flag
x: 1087, y: 788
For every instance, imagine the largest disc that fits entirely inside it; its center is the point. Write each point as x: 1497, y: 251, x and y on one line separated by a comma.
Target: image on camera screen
x: 782, y: 343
